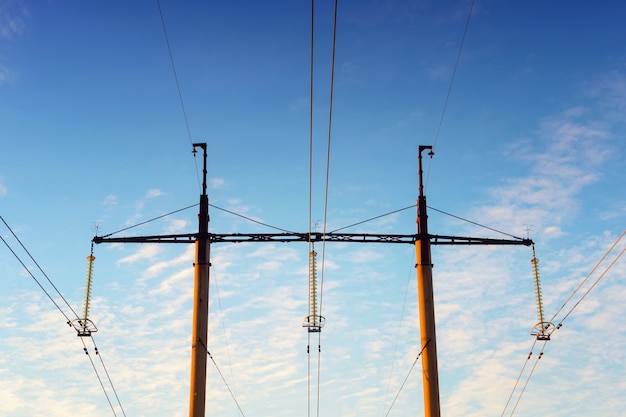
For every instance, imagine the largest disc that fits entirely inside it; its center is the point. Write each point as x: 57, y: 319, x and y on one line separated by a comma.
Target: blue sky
x: 533, y: 138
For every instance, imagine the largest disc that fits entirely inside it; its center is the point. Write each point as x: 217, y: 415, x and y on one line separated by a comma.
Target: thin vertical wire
x: 330, y: 122
x: 308, y: 347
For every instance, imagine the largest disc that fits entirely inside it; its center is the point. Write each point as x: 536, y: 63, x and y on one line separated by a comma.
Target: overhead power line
x: 587, y: 277
x: 40, y: 269
x: 560, y: 324
x: 67, y: 318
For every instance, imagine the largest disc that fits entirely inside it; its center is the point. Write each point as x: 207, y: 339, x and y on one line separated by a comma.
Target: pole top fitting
x: 420, y: 171
x: 204, y: 172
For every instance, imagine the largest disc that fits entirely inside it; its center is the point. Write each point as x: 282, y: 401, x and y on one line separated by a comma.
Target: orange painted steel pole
x: 430, y: 373
x: 199, y: 331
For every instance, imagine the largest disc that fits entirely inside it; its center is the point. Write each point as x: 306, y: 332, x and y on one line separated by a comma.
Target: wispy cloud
x: 110, y: 200
x: 153, y: 193
x: 13, y: 15
x: 3, y: 189
x: 570, y: 149
x: 5, y: 74
x: 143, y: 253
x: 216, y: 183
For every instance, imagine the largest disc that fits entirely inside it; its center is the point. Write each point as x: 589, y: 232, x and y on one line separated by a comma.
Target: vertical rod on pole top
x: 199, y: 350
x: 426, y: 302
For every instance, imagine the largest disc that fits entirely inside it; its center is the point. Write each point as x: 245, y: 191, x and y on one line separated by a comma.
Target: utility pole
x: 199, y: 349
x: 203, y: 240
x: 430, y: 374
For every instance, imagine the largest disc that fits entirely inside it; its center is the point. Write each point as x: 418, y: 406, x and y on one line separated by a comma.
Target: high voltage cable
x: 591, y: 287
x: 40, y: 269
x: 310, y: 219
x: 330, y: 123
x: 539, y: 356
x: 519, y: 377
x: 106, y: 371
x: 180, y: 94
x: 588, y: 275
x: 330, y: 119
x: 560, y: 324
x: 63, y: 313
x: 93, y: 365
x: 456, y: 65
x: 97, y: 352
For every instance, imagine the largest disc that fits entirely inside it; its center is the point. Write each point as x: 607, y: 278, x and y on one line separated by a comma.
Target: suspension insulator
x: 313, y: 322
x: 542, y: 329
x: 539, y: 298
x: 84, y: 326
x: 90, y: 260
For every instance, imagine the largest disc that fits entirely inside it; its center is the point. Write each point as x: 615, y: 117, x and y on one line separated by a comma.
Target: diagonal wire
x: 456, y: 66
x: 180, y: 94
x: 223, y: 378
x: 150, y: 220
x: 219, y: 303
x: 539, y: 356
x: 250, y: 219
x: 563, y: 319
x: 36, y: 280
x: 194, y: 205
x: 591, y: 287
x: 93, y: 365
x: 106, y: 371
x: 40, y: 269
x: 373, y: 218
x: 63, y: 313
x: 476, y: 224
x: 395, y: 348
x: 406, y: 378
x: 519, y: 377
x: 589, y: 275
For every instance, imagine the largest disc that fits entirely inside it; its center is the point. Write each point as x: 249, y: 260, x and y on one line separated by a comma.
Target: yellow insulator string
x: 535, y: 263
x: 90, y: 260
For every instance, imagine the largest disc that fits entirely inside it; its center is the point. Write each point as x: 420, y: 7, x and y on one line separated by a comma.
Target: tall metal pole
x: 199, y: 353
x: 426, y: 302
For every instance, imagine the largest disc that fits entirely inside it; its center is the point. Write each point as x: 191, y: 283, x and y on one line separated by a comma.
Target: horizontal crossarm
x: 313, y: 237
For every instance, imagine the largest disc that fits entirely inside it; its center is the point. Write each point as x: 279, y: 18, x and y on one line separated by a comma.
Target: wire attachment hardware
x: 84, y: 327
